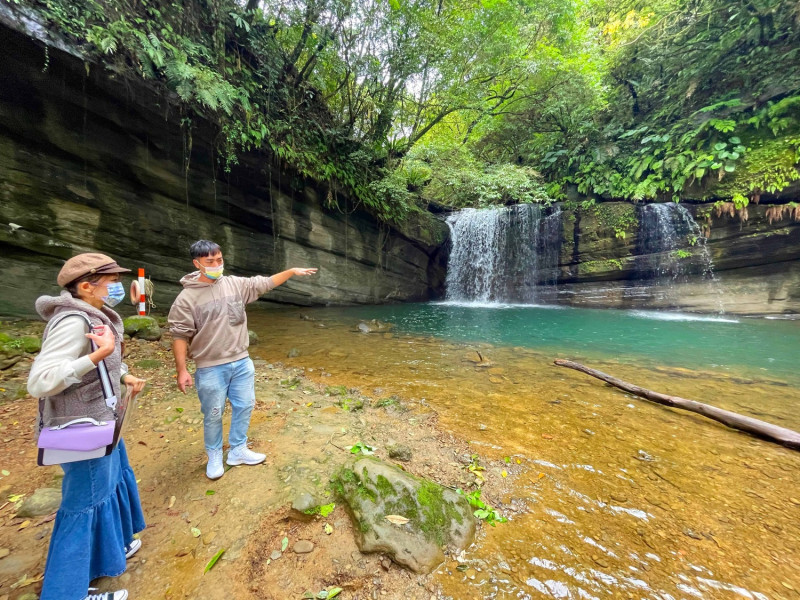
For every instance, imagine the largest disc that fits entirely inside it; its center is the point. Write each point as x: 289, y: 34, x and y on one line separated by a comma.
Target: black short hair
x: 204, y: 248
x: 72, y: 286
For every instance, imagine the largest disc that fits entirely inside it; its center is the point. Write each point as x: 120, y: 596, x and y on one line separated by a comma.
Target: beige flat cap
x: 87, y: 264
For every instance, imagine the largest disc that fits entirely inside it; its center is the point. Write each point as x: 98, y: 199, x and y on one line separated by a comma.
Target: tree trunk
x: 781, y: 435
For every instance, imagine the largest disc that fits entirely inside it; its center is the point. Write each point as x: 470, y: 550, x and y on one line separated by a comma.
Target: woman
x: 100, y: 510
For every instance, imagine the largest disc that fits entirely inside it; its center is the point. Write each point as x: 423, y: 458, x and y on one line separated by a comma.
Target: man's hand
x: 284, y: 276
x: 184, y: 380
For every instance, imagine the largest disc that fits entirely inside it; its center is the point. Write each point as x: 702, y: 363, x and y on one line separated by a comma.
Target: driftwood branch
x: 781, y: 435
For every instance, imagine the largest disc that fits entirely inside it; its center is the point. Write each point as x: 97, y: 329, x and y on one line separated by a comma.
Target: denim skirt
x: 100, y: 511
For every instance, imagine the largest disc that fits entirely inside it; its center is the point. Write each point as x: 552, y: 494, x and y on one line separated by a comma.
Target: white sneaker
x: 242, y: 455
x: 214, y: 469
x: 118, y: 595
x: 133, y: 547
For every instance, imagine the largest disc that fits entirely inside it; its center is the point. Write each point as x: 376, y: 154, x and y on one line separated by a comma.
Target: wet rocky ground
x: 305, y: 428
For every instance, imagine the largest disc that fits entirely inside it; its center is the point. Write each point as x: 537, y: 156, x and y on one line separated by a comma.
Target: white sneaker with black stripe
x: 133, y: 547
x: 118, y: 595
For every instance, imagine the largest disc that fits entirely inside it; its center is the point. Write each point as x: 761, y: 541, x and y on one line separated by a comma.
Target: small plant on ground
x: 387, y: 402
x: 336, y: 390
x: 323, y: 594
x: 351, y: 404
x: 475, y: 469
x: 484, y: 512
x: 291, y: 384
x: 323, y: 510
x: 361, y: 448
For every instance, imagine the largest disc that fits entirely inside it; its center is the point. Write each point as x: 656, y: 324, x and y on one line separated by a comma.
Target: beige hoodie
x: 211, y: 316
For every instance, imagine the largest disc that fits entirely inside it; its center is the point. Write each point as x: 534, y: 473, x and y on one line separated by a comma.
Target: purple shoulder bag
x: 82, y: 438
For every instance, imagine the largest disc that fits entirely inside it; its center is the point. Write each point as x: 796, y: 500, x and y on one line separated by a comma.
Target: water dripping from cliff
x: 671, y: 249
x: 504, y: 255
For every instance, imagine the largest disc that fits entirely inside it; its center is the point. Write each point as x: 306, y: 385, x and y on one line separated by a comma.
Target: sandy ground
x: 305, y: 433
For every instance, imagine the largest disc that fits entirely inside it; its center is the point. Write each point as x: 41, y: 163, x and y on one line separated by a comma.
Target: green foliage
x: 458, y: 179
x: 688, y: 91
x: 484, y: 512
x: 387, y: 402
x: 323, y: 510
x: 350, y: 404
x: 335, y: 390
x: 361, y: 448
x: 619, y: 217
x: 327, y: 593
x: 471, y: 104
x: 769, y: 166
x: 292, y: 383
x: 475, y: 469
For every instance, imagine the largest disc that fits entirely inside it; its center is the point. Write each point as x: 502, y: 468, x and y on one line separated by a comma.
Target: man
x: 208, y: 320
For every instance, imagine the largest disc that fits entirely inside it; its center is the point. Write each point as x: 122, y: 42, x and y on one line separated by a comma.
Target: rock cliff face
x: 91, y: 162
x: 747, y: 266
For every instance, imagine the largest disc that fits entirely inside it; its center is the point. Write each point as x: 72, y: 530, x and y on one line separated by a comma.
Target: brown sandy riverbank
x: 305, y: 433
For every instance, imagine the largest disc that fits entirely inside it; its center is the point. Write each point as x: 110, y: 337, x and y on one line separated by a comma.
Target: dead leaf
x: 397, y: 519
x: 547, y: 436
x: 24, y: 581
x: 171, y: 502
x: 24, y: 524
x: 44, y: 520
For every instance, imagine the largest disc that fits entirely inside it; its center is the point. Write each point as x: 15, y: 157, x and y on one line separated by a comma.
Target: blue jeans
x: 234, y: 381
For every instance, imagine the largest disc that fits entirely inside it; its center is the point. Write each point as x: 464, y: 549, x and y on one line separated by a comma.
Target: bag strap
x: 89, y: 420
x: 102, y: 371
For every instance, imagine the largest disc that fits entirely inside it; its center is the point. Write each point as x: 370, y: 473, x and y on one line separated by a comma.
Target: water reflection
x: 607, y: 495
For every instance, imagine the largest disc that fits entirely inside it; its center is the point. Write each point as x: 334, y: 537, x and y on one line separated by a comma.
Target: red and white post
x: 142, y: 300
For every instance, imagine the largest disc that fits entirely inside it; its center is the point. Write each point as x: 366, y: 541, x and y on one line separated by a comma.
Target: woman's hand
x: 136, y: 384
x: 303, y: 271
x: 103, y: 337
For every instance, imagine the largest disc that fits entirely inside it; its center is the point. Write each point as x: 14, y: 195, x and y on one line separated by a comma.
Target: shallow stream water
x: 608, y: 495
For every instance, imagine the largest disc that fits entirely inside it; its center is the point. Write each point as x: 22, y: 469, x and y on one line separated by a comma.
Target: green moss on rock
x: 769, y: 165
x: 142, y: 327
x: 437, y: 516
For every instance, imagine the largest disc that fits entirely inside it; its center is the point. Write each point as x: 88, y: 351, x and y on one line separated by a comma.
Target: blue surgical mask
x: 116, y: 294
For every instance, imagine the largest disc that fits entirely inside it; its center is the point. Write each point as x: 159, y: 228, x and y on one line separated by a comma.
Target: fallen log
x: 781, y: 435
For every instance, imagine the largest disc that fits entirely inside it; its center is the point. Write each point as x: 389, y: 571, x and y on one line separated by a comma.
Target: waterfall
x: 503, y: 254
x: 671, y: 248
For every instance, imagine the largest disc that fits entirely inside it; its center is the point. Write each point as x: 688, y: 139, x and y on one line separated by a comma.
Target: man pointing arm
x: 208, y: 321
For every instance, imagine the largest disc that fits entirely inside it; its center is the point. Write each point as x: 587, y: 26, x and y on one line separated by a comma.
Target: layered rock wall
x: 754, y: 262
x: 89, y: 161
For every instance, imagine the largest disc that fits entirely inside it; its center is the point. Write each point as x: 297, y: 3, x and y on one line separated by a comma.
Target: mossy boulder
x: 252, y: 336
x: 437, y: 516
x: 142, y: 327
x: 44, y: 501
x: 31, y: 343
x: 13, y: 347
